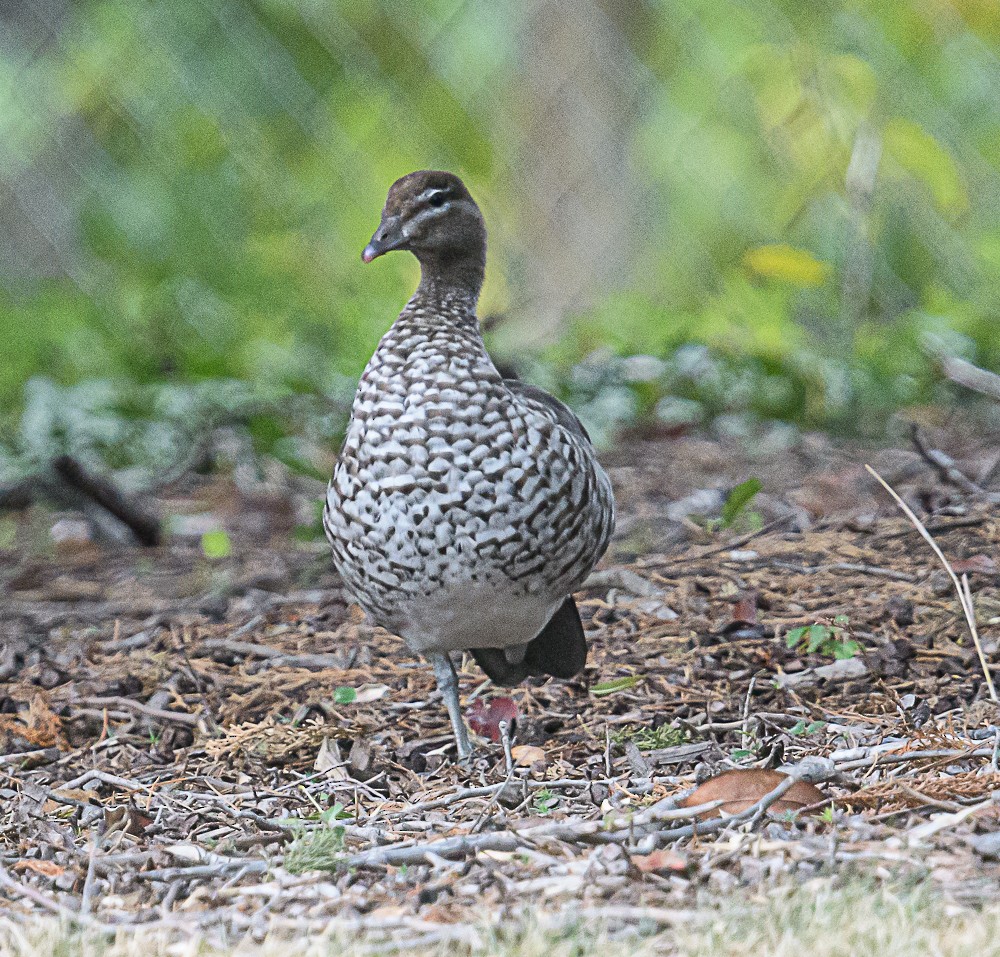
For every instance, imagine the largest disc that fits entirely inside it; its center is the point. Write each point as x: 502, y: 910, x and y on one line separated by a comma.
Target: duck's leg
x: 447, y: 682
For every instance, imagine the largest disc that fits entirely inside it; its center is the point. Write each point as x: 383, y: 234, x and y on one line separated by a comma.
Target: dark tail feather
x: 500, y: 670
x: 559, y: 649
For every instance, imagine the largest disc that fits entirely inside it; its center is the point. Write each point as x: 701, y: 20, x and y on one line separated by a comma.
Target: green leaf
x: 795, y: 636
x: 344, y: 695
x: 335, y: 813
x: 818, y: 636
x: 740, y: 753
x: 616, y: 684
x: 216, y: 544
x: 739, y: 498
x: 798, y: 728
x: 545, y: 801
x: 846, y: 649
x: 927, y: 160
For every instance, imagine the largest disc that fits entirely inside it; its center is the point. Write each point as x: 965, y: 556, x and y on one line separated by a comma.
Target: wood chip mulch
x: 159, y: 767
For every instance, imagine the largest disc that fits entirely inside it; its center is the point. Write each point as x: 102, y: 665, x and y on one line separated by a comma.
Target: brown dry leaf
x: 128, y: 819
x: 981, y: 564
x: 78, y: 794
x: 660, y: 861
x: 45, y: 868
x: 743, y: 788
x: 527, y: 754
x: 329, y: 760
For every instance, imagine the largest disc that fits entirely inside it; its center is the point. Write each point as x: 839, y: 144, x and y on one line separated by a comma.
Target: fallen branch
x: 900, y: 757
x: 941, y: 821
x: 448, y: 848
x: 127, y: 704
x: 945, y: 466
x: 100, y: 491
x: 969, y: 376
x: 272, y: 657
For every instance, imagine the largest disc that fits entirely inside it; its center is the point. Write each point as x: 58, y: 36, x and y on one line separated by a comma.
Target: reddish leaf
x: 660, y: 861
x: 485, y: 720
x: 738, y: 790
x: 745, y: 609
x: 981, y: 564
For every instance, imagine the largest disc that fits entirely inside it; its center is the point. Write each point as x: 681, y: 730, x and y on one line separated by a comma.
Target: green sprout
x: 825, y: 638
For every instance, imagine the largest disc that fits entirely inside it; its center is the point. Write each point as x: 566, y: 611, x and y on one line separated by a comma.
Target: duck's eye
x: 438, y: 198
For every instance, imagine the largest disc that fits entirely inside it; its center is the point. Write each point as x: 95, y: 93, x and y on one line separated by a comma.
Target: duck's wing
x: 548, y: 405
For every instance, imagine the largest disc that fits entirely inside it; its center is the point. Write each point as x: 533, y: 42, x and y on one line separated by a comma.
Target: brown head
x: 431, y: 214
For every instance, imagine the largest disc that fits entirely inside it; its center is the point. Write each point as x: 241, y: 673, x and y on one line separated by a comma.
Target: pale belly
x: 466, y: 615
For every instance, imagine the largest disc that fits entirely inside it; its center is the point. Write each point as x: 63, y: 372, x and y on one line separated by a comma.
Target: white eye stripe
x: 433, y: 191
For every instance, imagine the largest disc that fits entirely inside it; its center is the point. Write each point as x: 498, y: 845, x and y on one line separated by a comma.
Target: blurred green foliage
x: 821, y: 194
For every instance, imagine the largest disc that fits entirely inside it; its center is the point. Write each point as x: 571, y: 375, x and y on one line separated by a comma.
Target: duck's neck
x: 453, y: 278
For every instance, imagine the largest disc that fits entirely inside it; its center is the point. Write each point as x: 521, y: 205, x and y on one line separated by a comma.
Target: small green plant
x: 316, y: 850
x: 650, y: 739
x: 800, y: 727
x: 336, y: 812
x: 545, y: 801
x: 216, y: 544
x: 826, y: 815
x: 344, y: 695
x: 735, y: 509
x: 738, y: 500
x: 825, y: 638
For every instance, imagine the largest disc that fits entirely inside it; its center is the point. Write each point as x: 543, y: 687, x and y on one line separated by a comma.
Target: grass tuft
x: 316, y: 850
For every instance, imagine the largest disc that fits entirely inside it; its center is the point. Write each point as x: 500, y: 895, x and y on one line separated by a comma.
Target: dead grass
x: 820, y: 919
x: 858, y: 920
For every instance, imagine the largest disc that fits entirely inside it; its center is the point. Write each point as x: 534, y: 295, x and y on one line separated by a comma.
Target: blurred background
x: 744, y: 212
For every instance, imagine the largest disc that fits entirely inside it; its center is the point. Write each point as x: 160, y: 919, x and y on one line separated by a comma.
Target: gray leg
x: 447, y: 682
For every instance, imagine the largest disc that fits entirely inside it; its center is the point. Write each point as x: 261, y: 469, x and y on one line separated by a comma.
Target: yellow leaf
x: 924, y: 158
x: 786, y: 263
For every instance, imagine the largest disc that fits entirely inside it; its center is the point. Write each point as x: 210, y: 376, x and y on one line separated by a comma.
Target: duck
x: 464, y: 508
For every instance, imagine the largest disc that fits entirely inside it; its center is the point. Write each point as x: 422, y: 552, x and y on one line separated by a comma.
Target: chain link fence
x: 187, y: 185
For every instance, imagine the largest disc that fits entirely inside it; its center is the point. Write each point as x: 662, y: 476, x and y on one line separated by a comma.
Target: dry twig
x: 962, y: 588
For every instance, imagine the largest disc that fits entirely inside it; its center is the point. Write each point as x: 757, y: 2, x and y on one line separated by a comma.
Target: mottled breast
x: 449, y: 476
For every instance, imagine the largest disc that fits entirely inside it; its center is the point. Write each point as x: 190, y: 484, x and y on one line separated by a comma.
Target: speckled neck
x: 441, y: 305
